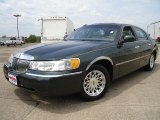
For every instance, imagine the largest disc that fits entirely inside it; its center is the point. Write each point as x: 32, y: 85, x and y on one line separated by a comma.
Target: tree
x: 4, y: 36
x: 32, y: 38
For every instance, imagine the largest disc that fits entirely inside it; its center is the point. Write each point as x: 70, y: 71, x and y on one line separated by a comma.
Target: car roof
x: 118, y: 24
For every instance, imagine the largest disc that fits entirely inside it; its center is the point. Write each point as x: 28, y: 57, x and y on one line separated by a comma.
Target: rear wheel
x: 151, y: 63
x: 95, y: 83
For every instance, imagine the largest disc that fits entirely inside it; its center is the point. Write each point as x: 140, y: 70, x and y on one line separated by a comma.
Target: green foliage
x: 38, y: 39
x: 33, y: 39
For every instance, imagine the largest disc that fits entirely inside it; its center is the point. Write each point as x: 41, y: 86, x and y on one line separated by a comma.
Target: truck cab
x: 14, y: 41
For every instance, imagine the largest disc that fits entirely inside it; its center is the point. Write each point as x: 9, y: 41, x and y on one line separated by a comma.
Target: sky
x: 137, y: 12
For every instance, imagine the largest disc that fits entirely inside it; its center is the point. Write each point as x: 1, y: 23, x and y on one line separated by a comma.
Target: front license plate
x: 12, y: 79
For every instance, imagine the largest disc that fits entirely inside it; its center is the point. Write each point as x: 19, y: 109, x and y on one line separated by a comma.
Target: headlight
x: 61, y: 65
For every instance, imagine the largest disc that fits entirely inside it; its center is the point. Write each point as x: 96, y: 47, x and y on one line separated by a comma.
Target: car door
x: 143, y: 46
x: 126, y: 61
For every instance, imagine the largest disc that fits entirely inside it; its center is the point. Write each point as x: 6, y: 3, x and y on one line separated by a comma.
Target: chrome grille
x: 20, y: 65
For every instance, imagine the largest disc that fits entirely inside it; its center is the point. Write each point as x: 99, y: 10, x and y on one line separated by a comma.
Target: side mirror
x: 128, y: 38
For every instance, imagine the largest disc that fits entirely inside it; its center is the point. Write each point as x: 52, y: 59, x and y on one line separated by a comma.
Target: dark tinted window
x: 141, y: 35
x: 127, y: 31
x: 13, y: 38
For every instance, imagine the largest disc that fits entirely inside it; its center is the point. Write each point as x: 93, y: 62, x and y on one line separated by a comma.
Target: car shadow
x: 74, y: 103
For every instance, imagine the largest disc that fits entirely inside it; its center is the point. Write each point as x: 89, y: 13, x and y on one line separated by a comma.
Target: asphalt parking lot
x: 133, y: 97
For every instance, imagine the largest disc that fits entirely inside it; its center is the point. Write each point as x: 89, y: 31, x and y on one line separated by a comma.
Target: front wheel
x: 151, y: 63
x: 95, y: 83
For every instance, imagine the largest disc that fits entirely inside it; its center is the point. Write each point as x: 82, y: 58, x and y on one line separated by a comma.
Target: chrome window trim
x: 132, y: 60
x: 54, y: 76
x: 99, y: 58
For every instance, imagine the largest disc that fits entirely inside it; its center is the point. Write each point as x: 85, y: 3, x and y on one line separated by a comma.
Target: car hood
x: 61, y: 50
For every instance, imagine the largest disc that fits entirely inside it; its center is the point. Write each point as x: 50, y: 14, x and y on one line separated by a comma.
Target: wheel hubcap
x: 94, y: 83
x: 152, y: 61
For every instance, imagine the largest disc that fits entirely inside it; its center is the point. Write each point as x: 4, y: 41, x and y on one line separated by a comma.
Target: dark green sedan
x: 87, y: 61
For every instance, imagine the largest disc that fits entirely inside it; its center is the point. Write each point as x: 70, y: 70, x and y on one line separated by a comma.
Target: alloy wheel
x: 152, y: 61
x: 94, y: 83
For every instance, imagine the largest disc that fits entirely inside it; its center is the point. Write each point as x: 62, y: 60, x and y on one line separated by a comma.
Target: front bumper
x: 48, y: 84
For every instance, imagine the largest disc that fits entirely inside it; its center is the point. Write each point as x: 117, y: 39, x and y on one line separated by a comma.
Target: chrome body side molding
x: 132, y: 60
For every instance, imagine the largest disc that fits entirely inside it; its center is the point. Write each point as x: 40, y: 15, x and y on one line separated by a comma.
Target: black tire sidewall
x: 107, y: 76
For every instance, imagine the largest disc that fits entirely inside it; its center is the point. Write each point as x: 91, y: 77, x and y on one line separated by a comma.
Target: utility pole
x: 17, y: 23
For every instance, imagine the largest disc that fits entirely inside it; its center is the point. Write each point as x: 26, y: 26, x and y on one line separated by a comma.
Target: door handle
x: 149, y: 44
x: 137, y: 47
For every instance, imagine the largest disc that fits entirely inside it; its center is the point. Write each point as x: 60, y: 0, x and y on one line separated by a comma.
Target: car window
x: 127, y: 31
x: 13, y: 38
x: 141, y: 35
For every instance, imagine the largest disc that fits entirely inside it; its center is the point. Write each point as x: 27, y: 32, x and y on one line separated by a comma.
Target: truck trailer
x: 154, y: 30
x: 54, y: 29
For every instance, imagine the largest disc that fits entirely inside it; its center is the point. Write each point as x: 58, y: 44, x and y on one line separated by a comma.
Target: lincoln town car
x: 86, y: 62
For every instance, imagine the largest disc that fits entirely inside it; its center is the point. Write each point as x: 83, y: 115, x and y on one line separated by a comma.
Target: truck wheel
x: 96, y: 81
x: 14, y: 44
x: 151, y: 63
x: 7, y: 45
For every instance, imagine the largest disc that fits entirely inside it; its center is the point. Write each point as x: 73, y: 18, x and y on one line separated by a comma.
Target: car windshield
x: 95, y: 32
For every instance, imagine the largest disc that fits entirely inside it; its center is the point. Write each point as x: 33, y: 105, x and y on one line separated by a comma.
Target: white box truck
x: 154, y: 30
x: 54, y: 29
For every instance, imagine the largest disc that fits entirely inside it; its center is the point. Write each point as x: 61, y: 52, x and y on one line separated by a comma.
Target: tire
x: 14, y: 44
x: 7, y: 45
x: 151, y: 63
x: 92, y: 87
